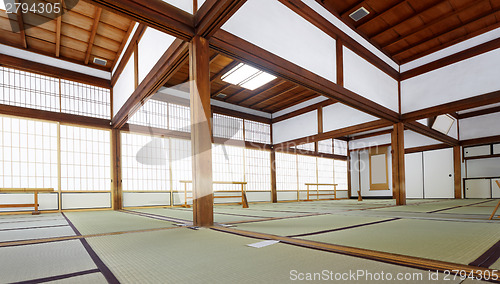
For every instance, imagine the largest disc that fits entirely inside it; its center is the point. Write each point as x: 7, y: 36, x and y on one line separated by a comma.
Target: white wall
x: 365, y: 79
x: 480, y: 126
x: 464, y: 79
x: 413, y: 139
x: 370, y: 142
x: 483, y: 168
x: 151, y: 47
x: 277, y: 29
x: 125, y: 86
x: 296, y: 127
x: 185, y: 5
x: 338, y: 116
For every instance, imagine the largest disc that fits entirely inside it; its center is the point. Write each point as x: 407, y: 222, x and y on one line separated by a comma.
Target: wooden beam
x: 426, y: 148
x: 273, y: 97
x: 123, y: 43
x: 469, y: 103
x: 116, y: 169
x: 479, y: 112
x: 340, y: 62
x: 480, y: 141
x: 224, y: 88
x: 139, y: 32
x: 429, y: 132
x: 349, y: 183
x: 201, y: 132
x: 20, y: 22
x: 242, y: 50
x: 95, y: 25
x: 39, y: 68
x: 154, y: 13
x: 335, y: 133
x: 170, y: 62
x: 58, y: 30
x: 303, y: 110
x: 224, y: 71
x: 264, y: 89
x: 390, y: 10
x: 238, y: 114
x: 373, y: 134
x: 213, y: 14
x: 457, y: 168
x: 55, y: 116
x: 274, y: 185
x: 291, y: 101
x: 398, y: 164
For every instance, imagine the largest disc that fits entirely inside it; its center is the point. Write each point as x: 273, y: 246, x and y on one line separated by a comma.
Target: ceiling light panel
x: 247, y: 77
x: 258, y: 81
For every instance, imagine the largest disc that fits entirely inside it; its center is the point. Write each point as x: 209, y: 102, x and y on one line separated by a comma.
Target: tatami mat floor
x: 148, y: 246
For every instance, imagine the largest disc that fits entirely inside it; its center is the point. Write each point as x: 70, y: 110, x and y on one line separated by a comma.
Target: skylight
x: 247, y: 77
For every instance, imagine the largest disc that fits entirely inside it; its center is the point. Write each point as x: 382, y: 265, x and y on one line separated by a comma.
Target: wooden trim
x: 479, y: 112
x: 368, y: 135
x: 136, y: 65
x: 154, y: 13
x: 139, y: 32
x: 240, y: 49
x: 473, y: 102
x: 349, y: 182
x: 311, y: 153
x: 320, y: 121
x: 398, y: 164
x: 20, y: 22
x: 384, y: 150
x: 483, y: 157
x: 272, y: 97
x: 274, y: 187
x: 238, y: 114
x: 116, y: 169
x: 95, y: 25
x: 58, y: 30
x: 39, y: 68
x: 213, y: 14
x: 457, y: 168
x: 340, y: 62
x: 55, y: 116
x: 303, y: 110
x: 335, y: 133
x: 426, y: 148
x: 370, y: 147
x: 316, y: 19
x: 429, y: 132
x: 171, y: 61
x: 480, y: 141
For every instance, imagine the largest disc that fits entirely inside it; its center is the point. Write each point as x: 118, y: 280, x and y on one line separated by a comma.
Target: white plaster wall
x: 297, y: 127
x: 413, y: 139
x: 480, y: 126
x: 185, y: 5
x: 151, y: 47
x: 277, y: 29
x: 124, y: 86
x: 370, y: 142
x: 339, y: 116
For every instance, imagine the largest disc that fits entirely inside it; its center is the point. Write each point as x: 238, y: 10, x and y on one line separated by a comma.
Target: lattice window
x: 228, y: 164
x: 258, y: 170
x: 257, y: 132
x: 84, y: 99
x: 29, y: 90
x: 153, y: 113
x: 325, y: 146
x: 227, y: 127
x: 145, y: 163
x: 325, y: 172
x: 180, y: 150
x: 307, y: 170
x: 306, y: 146
x: 341, y: 174
x: 28, y: 153
x: 340, y: 147
x: 179, y: 118
x: 85, y: 159
x: 286, y: 171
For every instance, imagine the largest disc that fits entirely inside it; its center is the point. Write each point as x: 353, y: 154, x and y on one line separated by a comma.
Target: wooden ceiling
x: 272, y: 97
x: 79, y: 35
x: 409, y: 29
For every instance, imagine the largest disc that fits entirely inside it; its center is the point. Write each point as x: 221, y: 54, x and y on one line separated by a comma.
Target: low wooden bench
x: 243, y: 196
x: 318, y: 194
x: 35, y: 192
x: 498, y: 205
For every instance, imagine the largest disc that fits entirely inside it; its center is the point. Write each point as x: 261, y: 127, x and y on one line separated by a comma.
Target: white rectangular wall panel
x: 258, y: 196
x: 413, y: 139
x: 46, y: 201
x: 85, y: 200
x: 151, y: 48
x: 414, y: 175
x: 185, y: 5
x: 480, y: 126
x: 438, y: 174
x: 464, y: 79
x: 124, y: 86
x: 365, y: 79
x: 370, y: 142
x: 477, y: 151
x: 136, y: 199
x: 483, y: 168
x: 296, y: 127
x: 279, y: 30
x: 287, y: 195
x: 496, y: 149
x: 477, y: 188
x: 338, y: 116
x: 365, y: 176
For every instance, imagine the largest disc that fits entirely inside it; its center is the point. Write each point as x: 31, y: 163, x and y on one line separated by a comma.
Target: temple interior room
x: 249, y: 141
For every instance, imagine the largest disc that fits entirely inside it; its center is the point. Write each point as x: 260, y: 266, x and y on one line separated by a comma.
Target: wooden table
x: 243, y: 196
x: 498, y: 205
x: 35, y: 191
x: 317, y: 194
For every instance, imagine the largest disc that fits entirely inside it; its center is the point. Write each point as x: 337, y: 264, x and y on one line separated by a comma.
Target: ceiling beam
x: 213, y: 14
x: 139, y: 32
x: 95, y: 25
x: 469, y: 103
x: 20, y: 23
x: 264, y: 89
x: 58, y: 30
x: 291, y: 101
x: 272, y: 97
x: 372, y: 134
x: 224, y: 88
x: 242, y: 50
x: 171, y: 61
x: 123, y: 43
x: 224, y: 71
x: 429, y: 132
x: 479, y: 112
x: 303, y: 110
x: 154, y: 13
x: 365, y: 21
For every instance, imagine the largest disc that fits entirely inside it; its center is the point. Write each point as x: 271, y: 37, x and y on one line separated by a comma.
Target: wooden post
x: 274, y: 192
x: 349, y: 185
x: 398, y: 164
x: 116, y: 169
x: 457, y: 167
x: 201, y: 132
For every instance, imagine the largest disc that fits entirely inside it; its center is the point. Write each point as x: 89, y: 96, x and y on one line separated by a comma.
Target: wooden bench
x: 243, y: 196
x: 35, y: 191
x: 317, y: 194
x: 498, y: 205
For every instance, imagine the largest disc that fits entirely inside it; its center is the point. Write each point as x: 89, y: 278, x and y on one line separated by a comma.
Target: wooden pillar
x: 201, y: 132
x: 274, y: 192
x: 457, y: 167
x: 116, y: 169
x: 398, y: 164
x: 349, y: 186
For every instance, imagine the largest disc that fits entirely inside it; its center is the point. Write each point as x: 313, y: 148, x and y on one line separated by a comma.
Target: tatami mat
x: 94, y: 278
x: 21, y: 263
x: 34, y: 234
x: 32, y: 224
x: 188, y: 214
